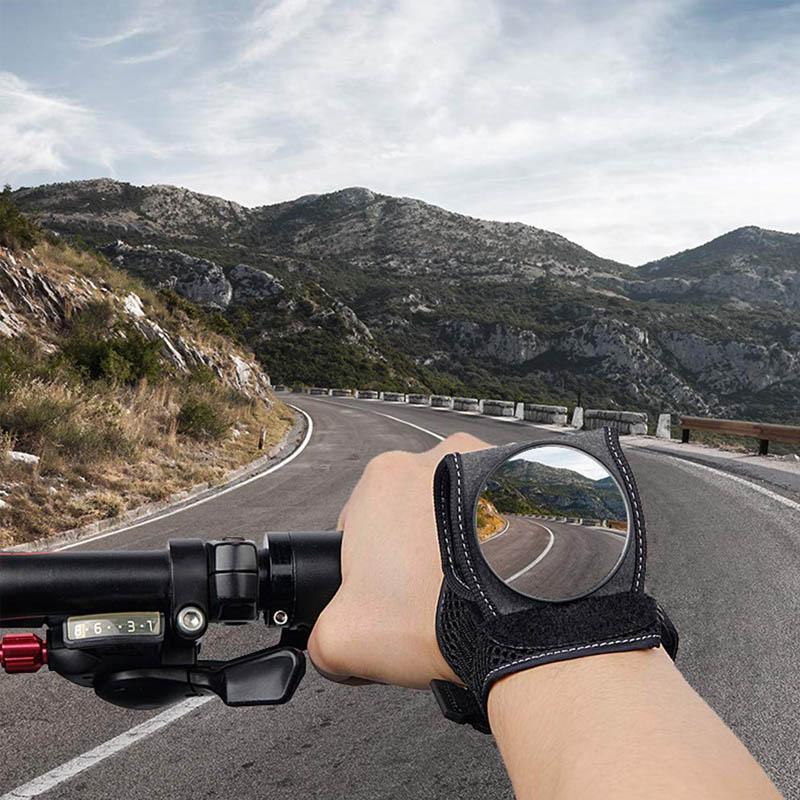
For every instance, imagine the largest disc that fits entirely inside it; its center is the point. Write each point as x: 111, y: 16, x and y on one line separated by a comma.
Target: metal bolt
x: 191, y: 620
x: 280, y: 617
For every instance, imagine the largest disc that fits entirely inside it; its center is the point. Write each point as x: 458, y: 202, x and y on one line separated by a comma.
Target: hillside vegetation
x: 111, y: 394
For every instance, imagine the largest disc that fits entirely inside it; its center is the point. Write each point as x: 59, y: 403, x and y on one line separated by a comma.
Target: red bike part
x: 22, y: 652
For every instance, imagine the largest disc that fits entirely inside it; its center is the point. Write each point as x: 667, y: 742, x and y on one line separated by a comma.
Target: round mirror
x: 552, y: 523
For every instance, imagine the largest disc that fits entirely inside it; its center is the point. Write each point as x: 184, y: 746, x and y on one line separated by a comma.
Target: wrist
x: 440, y: 669
x: 579, y: 680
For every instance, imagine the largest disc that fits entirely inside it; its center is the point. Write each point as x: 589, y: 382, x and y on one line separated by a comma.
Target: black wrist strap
x: 458, y: 704
x: 486, y: 630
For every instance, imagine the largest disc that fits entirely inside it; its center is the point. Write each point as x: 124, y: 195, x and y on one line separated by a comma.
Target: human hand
x: 381, y: 624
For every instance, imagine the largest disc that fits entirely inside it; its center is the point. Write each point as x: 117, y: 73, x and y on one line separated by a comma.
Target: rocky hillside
x: 112, y: 395
x: 355, y: 287
x: 748, y: 268
x: 42, y: 294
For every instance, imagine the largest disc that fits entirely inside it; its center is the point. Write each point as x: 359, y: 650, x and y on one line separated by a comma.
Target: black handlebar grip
x: 35, y: 585
x: 302, y: 571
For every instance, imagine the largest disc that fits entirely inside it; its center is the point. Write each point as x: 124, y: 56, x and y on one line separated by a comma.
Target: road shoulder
x: 290, y: 442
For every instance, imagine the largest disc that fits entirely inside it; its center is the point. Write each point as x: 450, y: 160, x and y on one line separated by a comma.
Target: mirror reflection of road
x: 549, y: 559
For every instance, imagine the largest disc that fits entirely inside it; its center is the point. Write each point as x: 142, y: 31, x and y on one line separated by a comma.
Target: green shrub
x: 101, y: 348
x: 203, y: 376
x: 174, y: 302
x: 17, y: 232
x: 203, y: 419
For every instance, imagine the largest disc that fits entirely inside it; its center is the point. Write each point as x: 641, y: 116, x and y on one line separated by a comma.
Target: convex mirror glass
x: 552, y: 523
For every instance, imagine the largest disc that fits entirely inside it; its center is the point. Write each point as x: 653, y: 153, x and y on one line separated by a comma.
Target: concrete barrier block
x: 577, y: 418
x: 550, y: 415
x: 664, y: 426
x: 466, y: 404
x: 498, y: 408
x: 441, y: 401
x: 319, y: 390
x: 625, y: 422
x: 394, y: 397
x: 419, y: 399
x: 341, y: 392
x: 368, y: 394
x: 279, y: 387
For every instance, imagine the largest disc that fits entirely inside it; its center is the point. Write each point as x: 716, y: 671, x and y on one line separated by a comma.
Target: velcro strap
x: 459, y: 705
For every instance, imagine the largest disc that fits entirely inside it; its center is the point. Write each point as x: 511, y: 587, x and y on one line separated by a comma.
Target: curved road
x: 724, y: 560
x: 549, y: 560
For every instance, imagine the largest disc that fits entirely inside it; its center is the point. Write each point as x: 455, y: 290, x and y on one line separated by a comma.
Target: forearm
x: 625, y: 725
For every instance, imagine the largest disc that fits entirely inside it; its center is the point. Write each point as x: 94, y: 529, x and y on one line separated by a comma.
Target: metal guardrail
x: 765, y: 432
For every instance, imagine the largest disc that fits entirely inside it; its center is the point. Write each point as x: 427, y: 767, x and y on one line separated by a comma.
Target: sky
x: 565, y: 458
x: 634, y: 128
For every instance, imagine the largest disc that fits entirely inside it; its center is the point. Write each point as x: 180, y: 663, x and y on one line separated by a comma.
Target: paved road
x: 523, y: 542
x: 724, y: 559
x: 549, y: 559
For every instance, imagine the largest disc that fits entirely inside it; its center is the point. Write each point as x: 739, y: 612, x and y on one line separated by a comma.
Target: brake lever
x: 266, y: 677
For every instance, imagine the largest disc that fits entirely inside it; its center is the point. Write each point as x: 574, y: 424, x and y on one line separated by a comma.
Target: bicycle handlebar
x: 129, y: 624
x: 41, y: 585
x: 296, y: 573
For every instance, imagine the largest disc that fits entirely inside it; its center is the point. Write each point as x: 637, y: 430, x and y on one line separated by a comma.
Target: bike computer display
x: 92, y: 627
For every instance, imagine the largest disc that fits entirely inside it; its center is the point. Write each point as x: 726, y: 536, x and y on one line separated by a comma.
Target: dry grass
x: 490, y: 521
x: 154, y: 463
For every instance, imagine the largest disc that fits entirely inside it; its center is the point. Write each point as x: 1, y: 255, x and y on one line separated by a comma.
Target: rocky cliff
x: 40, y: 296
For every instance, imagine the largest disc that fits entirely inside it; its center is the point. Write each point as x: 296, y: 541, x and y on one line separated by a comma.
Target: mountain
x: 523, y: 486
x: 746, y: 268
x: 359, y: 288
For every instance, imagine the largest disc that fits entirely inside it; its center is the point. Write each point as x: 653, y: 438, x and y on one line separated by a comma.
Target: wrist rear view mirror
x: 552, y: 523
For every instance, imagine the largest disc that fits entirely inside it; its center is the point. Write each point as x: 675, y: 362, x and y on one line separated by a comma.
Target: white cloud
x: 636, y: 127
x: 154, y: 30
x: 153, y: 55
x: 122, y: 35
x: 37, y: 131
x: 52, y: 135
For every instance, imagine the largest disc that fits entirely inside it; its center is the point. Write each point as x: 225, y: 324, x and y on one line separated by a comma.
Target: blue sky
x: 634, y: 128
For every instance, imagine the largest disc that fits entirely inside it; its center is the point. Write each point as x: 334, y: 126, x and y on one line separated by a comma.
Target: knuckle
x: 324, y: 647
x: 463, y: 442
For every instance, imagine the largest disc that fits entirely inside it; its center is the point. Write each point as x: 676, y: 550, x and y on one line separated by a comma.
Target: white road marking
x: 70, y: 769
x: 410, y: 425
x: 495, y: 536
x: 532, y: 564
x: 207, y: 498
x: 779, y: 498
x: 44, y: 783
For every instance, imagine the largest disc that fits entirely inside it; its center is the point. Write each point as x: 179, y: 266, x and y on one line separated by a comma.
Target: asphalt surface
x: 521, y: 544
x: 724, y: 559
x: 550, y: 559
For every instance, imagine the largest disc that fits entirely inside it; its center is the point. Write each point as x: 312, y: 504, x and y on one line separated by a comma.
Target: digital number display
x: 106, y: 626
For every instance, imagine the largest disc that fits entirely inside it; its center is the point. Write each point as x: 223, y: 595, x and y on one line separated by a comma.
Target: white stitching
x: 575, y: 649
x: 457, y: 459
x: 634, y: 503
x: 446, y: 535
